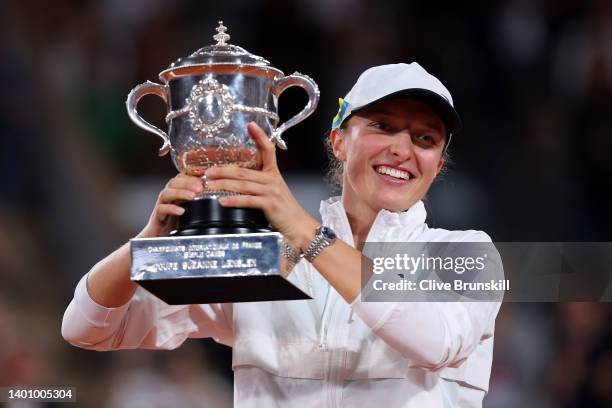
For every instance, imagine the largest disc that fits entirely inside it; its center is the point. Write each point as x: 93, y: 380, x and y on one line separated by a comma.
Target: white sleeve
x: 432, y: 335
x: 144, y: 322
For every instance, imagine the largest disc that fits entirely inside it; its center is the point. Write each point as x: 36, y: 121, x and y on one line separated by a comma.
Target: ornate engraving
x: 209, y: 106
x: 221, y: 37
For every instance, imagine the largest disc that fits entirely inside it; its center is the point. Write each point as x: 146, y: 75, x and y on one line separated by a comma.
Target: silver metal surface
x: 211, y: 96
x: 206, y: 256
x: 221, y: 35
x: 311, y: 88
x: 206, y: 96
x: 290, y: 258
x: 290, y: 253
x: 324, y: 237
x: 214, y: 268
x: 132, y: 101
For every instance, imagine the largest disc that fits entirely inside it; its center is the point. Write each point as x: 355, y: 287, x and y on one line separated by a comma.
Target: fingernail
x: 198, y: 187
x: 191, y: 195
x: 180, y: 211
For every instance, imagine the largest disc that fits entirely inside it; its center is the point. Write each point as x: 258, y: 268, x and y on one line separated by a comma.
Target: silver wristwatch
x: 289, y: 253
x: 324, y: 237
x: 291, y: 256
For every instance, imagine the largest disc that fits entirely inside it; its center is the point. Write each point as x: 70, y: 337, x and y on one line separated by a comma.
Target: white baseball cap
x: 394, y: 80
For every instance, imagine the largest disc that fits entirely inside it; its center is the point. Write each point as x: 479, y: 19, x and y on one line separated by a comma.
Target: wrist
x: 305, y: 235
x: 144, y: 233
x: 291, y: 257
x: 324, y: 237
x: 148, y: 232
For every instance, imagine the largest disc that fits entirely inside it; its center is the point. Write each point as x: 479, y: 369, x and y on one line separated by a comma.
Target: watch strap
x: 290, y: 253
x: 324, y: 237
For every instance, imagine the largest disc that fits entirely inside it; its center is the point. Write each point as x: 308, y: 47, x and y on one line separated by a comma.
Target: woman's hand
x: 265, y: 189
x: 164, y: 218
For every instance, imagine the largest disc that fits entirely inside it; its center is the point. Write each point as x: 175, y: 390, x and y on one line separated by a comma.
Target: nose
x: 401, y: 146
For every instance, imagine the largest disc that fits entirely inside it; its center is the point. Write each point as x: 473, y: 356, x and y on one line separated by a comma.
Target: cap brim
x: 436, y: 102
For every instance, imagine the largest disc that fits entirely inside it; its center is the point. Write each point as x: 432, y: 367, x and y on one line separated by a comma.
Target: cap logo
x: 341, y: 113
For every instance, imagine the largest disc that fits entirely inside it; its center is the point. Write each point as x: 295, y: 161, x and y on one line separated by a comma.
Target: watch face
x: 328, y: 233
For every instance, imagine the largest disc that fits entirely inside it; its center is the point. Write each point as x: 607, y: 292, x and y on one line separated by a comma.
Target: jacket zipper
x: 323, y: 330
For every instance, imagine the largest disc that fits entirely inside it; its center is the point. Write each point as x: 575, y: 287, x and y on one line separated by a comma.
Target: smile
x: 395, y: 173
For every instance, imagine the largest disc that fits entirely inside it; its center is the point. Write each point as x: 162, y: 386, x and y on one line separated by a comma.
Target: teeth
x: 393, y: 172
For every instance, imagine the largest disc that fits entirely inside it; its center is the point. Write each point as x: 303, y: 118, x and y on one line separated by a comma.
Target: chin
x: 396, y: 205
x: 396, y: 200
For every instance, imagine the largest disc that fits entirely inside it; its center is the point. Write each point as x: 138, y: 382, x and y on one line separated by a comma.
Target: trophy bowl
x: 211, y: 96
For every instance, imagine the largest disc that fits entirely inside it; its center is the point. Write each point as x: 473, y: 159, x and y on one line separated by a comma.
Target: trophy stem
x: 205, y: 216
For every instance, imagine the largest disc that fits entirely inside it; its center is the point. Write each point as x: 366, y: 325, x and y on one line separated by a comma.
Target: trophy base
x: 228, y: 289
x: 205, y: 216
x: 220, y: 268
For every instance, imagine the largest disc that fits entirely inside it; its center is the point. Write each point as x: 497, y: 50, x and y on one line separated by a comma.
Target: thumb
x: 264, y: 145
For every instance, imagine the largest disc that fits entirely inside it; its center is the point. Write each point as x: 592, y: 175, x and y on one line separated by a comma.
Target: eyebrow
x: 434, y: 126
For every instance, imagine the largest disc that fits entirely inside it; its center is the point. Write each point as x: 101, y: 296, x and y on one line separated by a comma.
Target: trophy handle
x: 311, y: 88
x: 132, y: 102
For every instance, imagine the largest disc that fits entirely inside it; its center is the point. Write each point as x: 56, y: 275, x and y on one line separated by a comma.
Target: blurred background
x: 532, y: 80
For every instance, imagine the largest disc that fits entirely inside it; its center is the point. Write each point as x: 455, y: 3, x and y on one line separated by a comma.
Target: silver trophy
x: 217, y: 254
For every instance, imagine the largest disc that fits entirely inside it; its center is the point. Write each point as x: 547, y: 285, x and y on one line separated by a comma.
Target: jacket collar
x: 388, y: 226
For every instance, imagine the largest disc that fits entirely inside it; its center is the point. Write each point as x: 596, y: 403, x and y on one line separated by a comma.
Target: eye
x: 385, y: 127
x: 427, y: 139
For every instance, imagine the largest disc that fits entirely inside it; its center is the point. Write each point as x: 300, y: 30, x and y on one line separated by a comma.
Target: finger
x: 235, y: 173
x: 242, y: 201
x: 172, y: 195
x: 183, y: 181
x: 238, y: 186
x: 165, y: 210
x: 264, y: 145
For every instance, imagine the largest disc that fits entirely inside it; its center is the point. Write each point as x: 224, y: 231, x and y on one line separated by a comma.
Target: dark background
x: 532, y: 81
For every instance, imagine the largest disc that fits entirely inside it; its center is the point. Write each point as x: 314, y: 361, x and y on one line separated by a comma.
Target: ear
x: 338, y: 144
x: 440, y: 166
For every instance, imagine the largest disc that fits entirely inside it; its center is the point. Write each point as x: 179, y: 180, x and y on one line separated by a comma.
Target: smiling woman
x: 390, y: 136
x: 394, y: 148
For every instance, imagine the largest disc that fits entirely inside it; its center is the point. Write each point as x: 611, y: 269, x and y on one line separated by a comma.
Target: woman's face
x: 392, y: 152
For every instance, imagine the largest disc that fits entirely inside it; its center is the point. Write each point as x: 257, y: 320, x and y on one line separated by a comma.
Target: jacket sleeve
x: 143, y: 322
x: 434, y: 335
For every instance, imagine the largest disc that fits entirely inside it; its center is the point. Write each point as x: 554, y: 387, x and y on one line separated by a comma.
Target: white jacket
x: 321, y: 352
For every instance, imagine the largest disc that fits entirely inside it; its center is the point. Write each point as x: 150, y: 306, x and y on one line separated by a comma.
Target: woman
x: 390, y: 136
